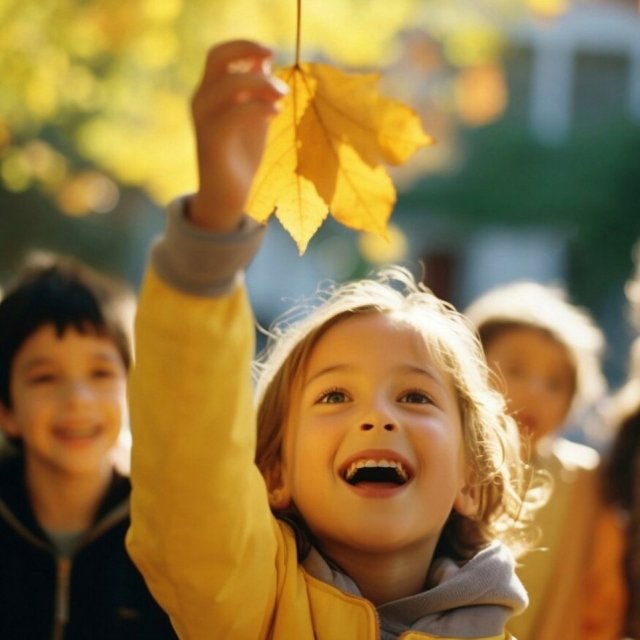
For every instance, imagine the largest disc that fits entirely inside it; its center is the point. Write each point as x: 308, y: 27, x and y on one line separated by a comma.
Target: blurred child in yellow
x: 545, y: 353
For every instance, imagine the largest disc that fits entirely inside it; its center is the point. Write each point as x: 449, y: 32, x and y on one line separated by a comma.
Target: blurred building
x: 582, y: 66
x: 570, y: 79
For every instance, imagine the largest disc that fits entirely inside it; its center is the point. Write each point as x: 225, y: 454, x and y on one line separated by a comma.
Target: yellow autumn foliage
x: 326, y: 150
x: 92, y: 79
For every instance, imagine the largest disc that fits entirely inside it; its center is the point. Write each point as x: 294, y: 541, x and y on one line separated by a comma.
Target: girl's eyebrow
x: 429, y: 372
x: 426, y: 371
x: 326, y: 370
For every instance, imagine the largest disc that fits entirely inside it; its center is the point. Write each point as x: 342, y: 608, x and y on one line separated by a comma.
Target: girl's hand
x: 231, y: 110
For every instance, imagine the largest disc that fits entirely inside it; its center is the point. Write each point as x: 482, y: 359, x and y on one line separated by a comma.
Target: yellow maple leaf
x: 326, y: 149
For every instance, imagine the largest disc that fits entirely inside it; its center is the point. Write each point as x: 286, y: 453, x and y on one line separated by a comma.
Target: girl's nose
x: 379, y: 414
x: 368, y: 426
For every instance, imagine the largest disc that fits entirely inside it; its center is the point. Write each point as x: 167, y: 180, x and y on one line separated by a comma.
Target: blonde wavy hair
x: 490, y: 436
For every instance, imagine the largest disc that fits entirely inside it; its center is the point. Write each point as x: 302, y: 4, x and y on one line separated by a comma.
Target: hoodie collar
x: 465, y: 600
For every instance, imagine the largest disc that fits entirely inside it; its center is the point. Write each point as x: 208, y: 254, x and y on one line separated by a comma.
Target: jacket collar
x: 15, y: 506
x: 471, y: 599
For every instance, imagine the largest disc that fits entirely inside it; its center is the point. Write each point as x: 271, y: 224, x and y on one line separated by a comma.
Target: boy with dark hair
x: 64, y: 509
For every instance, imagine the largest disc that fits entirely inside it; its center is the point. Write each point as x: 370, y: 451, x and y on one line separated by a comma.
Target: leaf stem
x: 298, y: 30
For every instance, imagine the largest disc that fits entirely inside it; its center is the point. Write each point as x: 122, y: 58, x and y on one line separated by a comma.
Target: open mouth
x: 376, y: 471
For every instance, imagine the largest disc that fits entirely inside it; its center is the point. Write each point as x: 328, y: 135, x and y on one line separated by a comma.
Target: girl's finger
x: 236, y: 56
x: 236, y: 89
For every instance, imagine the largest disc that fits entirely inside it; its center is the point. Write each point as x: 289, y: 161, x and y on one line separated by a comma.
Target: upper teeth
x: 359, y: 464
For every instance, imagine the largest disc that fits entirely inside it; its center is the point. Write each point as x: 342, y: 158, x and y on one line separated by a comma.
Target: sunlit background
x: 535, y: 105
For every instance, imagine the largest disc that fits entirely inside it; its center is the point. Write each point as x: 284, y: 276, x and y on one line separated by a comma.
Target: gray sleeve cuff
x: 200, y: 262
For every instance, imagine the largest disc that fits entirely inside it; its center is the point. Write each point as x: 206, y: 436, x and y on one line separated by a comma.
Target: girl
x: 385, y: 472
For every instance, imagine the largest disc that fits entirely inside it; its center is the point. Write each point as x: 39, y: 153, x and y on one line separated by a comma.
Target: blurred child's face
x: 68, y: 401
x: 539, y: 377
x: 374, y: 457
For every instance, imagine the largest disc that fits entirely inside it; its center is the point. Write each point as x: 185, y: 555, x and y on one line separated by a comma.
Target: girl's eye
x: 416, y: 397
x: 333, y: 396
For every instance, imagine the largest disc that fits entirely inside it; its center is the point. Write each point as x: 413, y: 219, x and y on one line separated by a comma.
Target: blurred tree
x: 94, y: 93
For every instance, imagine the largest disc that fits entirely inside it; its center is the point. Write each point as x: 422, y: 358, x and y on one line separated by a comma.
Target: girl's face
x: 374, y: 456
x: 539, y: 377
x: 68, y: 402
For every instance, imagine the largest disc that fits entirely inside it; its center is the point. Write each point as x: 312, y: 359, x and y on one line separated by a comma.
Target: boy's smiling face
x: 374, y: 456
x: 68, y: 401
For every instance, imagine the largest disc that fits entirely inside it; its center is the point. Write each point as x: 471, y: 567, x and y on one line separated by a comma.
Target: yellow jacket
x: 202, y: 532
x: 573, y: 589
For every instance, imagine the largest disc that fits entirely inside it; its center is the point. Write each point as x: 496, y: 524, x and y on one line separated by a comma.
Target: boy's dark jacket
x: 98, y: 591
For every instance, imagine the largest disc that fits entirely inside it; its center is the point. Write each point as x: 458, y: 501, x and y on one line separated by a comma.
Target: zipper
x: 63, y: 573
x: 63, y: 570
x: 63, y: 564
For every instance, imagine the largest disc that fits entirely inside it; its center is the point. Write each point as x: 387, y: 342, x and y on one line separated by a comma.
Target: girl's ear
x: 277, y: 487
x: 7, y: 424
x: 467, y: 502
